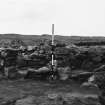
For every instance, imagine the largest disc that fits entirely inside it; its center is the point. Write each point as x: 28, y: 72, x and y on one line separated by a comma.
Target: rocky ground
x: 35, y: 92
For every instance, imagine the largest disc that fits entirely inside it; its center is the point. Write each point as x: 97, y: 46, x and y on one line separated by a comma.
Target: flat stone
x: 26, y: 101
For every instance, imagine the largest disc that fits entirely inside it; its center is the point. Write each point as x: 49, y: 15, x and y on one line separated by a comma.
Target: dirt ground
x: 13, y: 91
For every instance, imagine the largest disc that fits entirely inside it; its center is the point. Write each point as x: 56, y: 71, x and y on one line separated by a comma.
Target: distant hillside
x: 33, y: 39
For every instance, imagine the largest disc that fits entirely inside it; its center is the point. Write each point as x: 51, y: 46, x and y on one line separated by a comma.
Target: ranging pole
x: 52, y: 44
x: 52, y: 34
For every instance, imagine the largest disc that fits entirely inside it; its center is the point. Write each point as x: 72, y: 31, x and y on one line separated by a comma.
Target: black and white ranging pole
x: 52, y: 55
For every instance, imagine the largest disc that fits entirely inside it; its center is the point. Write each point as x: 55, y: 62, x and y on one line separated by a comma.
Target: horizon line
x: 51, y: 34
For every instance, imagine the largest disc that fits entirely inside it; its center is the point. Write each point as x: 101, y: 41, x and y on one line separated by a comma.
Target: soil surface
x: 17, y: 92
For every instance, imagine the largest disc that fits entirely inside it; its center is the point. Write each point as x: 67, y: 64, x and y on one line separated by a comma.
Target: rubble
x: 56, y: 99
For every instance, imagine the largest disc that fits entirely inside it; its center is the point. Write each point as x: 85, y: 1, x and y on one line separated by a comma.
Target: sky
x: 35, y: 17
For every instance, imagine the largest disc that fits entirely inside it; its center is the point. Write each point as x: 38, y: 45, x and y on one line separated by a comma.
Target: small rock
x: 52, y: 96
x: 26, y: 101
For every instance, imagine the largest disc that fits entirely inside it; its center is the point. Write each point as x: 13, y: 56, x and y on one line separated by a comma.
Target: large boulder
x: 64, y: 72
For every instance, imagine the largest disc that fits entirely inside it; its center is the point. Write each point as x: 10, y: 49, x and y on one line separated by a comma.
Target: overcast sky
x: 71, y: 17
